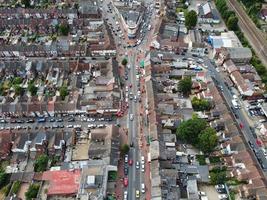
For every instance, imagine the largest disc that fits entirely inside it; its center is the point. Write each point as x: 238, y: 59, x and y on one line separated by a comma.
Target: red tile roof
x: 63, y: 182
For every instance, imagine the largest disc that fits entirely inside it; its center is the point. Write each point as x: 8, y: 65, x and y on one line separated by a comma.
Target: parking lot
x: 67, y: 122
x: 210, y: 191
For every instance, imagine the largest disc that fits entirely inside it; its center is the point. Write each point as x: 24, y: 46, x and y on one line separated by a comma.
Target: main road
x: 133, y: 120
x: 252, y: 33
x: 246, y: 129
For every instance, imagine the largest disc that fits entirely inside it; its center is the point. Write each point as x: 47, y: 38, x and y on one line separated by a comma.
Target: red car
x: 130, y: 162
x: 125, y: 182
x: 130, y: 86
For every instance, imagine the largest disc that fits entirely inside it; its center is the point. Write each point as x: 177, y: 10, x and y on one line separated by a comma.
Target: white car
x: 223, y: 196
x: 125, y: 195
x: 143, y: 188
x: 126, y: 158
x: 142, y: 159
x: 70, y: 126
x: 137, y: 165
x: 200, y: 193
x: 143, y: 168
x: 131, y: 117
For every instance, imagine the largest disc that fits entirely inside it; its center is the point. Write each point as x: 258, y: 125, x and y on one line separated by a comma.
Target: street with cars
x: 134, y: 168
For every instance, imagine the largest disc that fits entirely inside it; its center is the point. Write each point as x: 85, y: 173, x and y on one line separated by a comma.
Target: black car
x: 250, y: 144
x: 125, y: 170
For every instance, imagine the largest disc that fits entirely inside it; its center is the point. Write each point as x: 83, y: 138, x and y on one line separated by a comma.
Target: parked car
x: 125, y: 182
x: 137, y: 165
x: 143, y: 188
x: 125, y: 194
x: 137, y: 193
x: 126, y: 158
x: 223, y: 196
x: 130, y: 162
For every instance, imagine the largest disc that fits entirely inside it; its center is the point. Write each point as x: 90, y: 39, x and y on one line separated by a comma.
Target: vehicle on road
x: 125, y: 195
x: 137, y: 193
x: 200, y: 193
x: 131, y: 117
x: 223, y: 196
x: 125, y: 170
x: 143, y: 188
x: 125, y: 182
x: 137, y: 165
x: 130, y: 162
x: 143, y: 168
x: 41, y: 120
x: 126, y: 158
x: 142, y: 159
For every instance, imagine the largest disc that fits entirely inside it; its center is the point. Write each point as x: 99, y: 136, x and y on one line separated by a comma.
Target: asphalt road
x: 135, y: 176
x: 253, y: 34
x: 241, y: 118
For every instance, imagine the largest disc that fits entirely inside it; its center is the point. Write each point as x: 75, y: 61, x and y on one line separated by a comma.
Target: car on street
x: 137, y: 165
x: 143, y: 168
x: 130, y: 162
x: 137, y: 193
x: 143, y: 188
x: 142, y: 159
x: 223, y: 196
x: 125, y: 182
x: 131, y: 117
x: 200, y: 193
x: 126, y: 158
x: 125, y: 170
x: 125, y: 195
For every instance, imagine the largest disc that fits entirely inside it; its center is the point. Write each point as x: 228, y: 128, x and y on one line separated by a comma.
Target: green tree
x: 40, y: 163
x: 64, y: 29
x: 191, y: 19
x: 125, y: 149
x: 16, y: 187
x: 218, y: 176
x: 200, y: 104
x: 18, y: 89
x: 17, y: 81
x: 63, y: 91
x: 124, y: 62
x: 189, y: 130
x: 32, y: 192
x: 232, y: 23
x: 32, y: 88
x: 185, y: 86
x: 3, y: 178
x: 26, y: 3
x: 207, y: 140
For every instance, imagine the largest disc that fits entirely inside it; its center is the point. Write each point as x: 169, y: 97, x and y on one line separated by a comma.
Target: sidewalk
x: 144, y: 147
x: 119, y: 183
